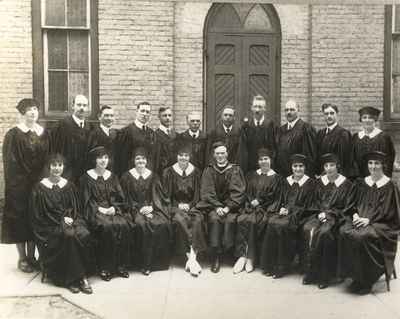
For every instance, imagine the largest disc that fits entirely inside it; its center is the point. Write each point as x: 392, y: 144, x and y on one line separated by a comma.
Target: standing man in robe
x: 70, y: 139
x: 255, y: 133
x: 227, y: 132
x: 295, y: 137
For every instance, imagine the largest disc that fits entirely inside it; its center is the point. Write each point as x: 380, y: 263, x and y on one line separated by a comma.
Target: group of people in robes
x: 97, y: 200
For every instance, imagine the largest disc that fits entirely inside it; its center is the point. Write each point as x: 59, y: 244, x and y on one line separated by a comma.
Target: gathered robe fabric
x: 71, y: 141
x: 128, y: 140
x: 320, y: 238
x: 65, y: 251
x: 252, y: 138
x: 97, y: 137
x: 231, y: 140
x: 381, y: 142
x: 339, y: 142
x: 153, y: 235
x: 301, y: 139
x: 113, y: 233
x: 189, y: 225
x: 366, y: 253
x: 280, y: 243
x: 197, y: 145
x: 24, y: 155
x: 252, y: 221
x: 166, y: 151
x: 221, y: 187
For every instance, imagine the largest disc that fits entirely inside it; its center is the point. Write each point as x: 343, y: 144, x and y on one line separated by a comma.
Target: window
x: 65, y: 53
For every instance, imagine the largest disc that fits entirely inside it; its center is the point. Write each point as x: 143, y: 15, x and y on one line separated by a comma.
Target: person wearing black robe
x: 145, y: 199
x: 295, y: 137
x: 61, y: 234
x: 227, y: 132
x: 181, y: 183
x: 135, y: 135
x: 333, y: 199
x: 166, y: 141
x: 280, y: 243
x: 255, y: 133
x: 262, y: 189
x: 194, y: 137
x: 25, y: 148
x: 222, y: 192
x: 369, y: 139
x: 368, y: 239
x: 104, y: 135
x: 334, y: 139
x: 104, y: 210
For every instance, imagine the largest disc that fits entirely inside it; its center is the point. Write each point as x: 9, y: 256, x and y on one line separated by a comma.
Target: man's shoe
x: 146, y: 272
x: 307, y: 280
x: 122, y: 273
x: 239, y: 265
x: 74, y: 288
x: 105, y: 275
x: 267, y: 273
x: 215, y: 265
x: 355, y: 286
x: 24, y: 266
x: 85, y: 287
x: 34, y: 263
x: 323, y: 285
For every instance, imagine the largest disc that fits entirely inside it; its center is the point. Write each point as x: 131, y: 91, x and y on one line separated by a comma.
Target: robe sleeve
x: 123, y: 142
x: 309, y: 147
x: 345, y: 154
x: 196, y: 185
x: 269, y: 196
x: 237, y: 188
x: 159, y: 198
x: 89, y: 206
x: 208, y: 192
x: 117, y: 199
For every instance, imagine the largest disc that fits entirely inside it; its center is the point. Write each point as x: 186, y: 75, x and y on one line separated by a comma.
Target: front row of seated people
x: 338, y: 229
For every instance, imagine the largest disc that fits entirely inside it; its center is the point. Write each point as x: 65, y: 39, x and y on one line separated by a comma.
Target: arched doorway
x: 242, y: 59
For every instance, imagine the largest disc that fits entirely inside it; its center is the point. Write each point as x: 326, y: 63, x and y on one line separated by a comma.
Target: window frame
x: 38, y: 65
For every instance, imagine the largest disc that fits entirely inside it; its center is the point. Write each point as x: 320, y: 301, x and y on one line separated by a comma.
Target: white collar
x: 270, y: 172
x: 105, y: 129
x: 293, y: 123
x: 36, y: 128
x: 302, y: 180
x: 165, y: 129
x: 196, y: 134
x: 188, y: 170
x: 92, y: 173
x: 218, y: 168
x: 382, y: 182
x: 331, y: 127
x: 338, y: 181
x: 140, y: 124
x: 61, y: 183
x: 136, y: 174
x: 78, y: 121
x: 227, y: 128
x: 374, y: 133
x: 261, y: 121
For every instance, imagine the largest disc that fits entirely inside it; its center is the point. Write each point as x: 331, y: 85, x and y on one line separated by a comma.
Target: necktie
x: 289, y: 127
x: 193, y: 136
x: 168, y: 131
x: 144, y: 128
x: 257, y: 123
x: 81, y: 124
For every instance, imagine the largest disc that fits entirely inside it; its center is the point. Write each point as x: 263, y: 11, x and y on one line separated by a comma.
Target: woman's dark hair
x: 52, y: 159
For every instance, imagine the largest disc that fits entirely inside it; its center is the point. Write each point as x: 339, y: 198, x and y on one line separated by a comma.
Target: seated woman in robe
x: 368, y: 239
x: 263, y: 186
x: 144, y: 199
x: 334, y: 198
x: 280, y: 241
x: 61, y: 234
x: 104, y: 208
x: 181, y: 183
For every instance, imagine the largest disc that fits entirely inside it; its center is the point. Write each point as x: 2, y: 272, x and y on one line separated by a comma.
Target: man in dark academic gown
x: 103, y: 134
x: 70, y: 139
x: 227, y: 132
x: 255, y: 133
x: 222, y: 193
x: 166, y: 141
x: 196, y: 138
x: 336, y: 140
x: 295, y: 137
x: 136, y: 134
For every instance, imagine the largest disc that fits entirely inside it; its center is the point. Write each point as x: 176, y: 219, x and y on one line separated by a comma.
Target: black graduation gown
x: 231, y: 140
x: 65, y: 251
x: 368, y: 252
x: 220, y: 188
x: 198, y: 147
x: 320, y: 239
x: 298, y: 140
x: 71, y: 141
x: 154, y: 235
x: 97, y: 137
x: 24, y: 155
x: 339, y: 142
x: 113, y: 233
x: 381, y: 142
x: 128, y: 140
x: 252, y: 221
x: 166, y: 151
x: 280, y: 241
x: 252, y: 138
x: 189, y: 226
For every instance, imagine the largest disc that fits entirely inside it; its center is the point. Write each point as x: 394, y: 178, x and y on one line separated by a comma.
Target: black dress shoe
x: 24, y: 266
x: 215, y: 267
x: 354, y: 286
x: 123, y: 273
x: 364, y: 291
x: 323, y: 285
x: 85, y: 287
x: 146, y: 272
x: 307, y: 280
x: 35, y: 264
x: 74, y: 288
x: 105, y: 275
x: 267, y: 273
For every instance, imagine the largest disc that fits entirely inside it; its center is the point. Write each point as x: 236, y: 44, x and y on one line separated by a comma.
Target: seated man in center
x: 222, y: 193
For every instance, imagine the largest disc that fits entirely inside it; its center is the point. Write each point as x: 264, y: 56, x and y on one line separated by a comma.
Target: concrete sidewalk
x: 173, y: 294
